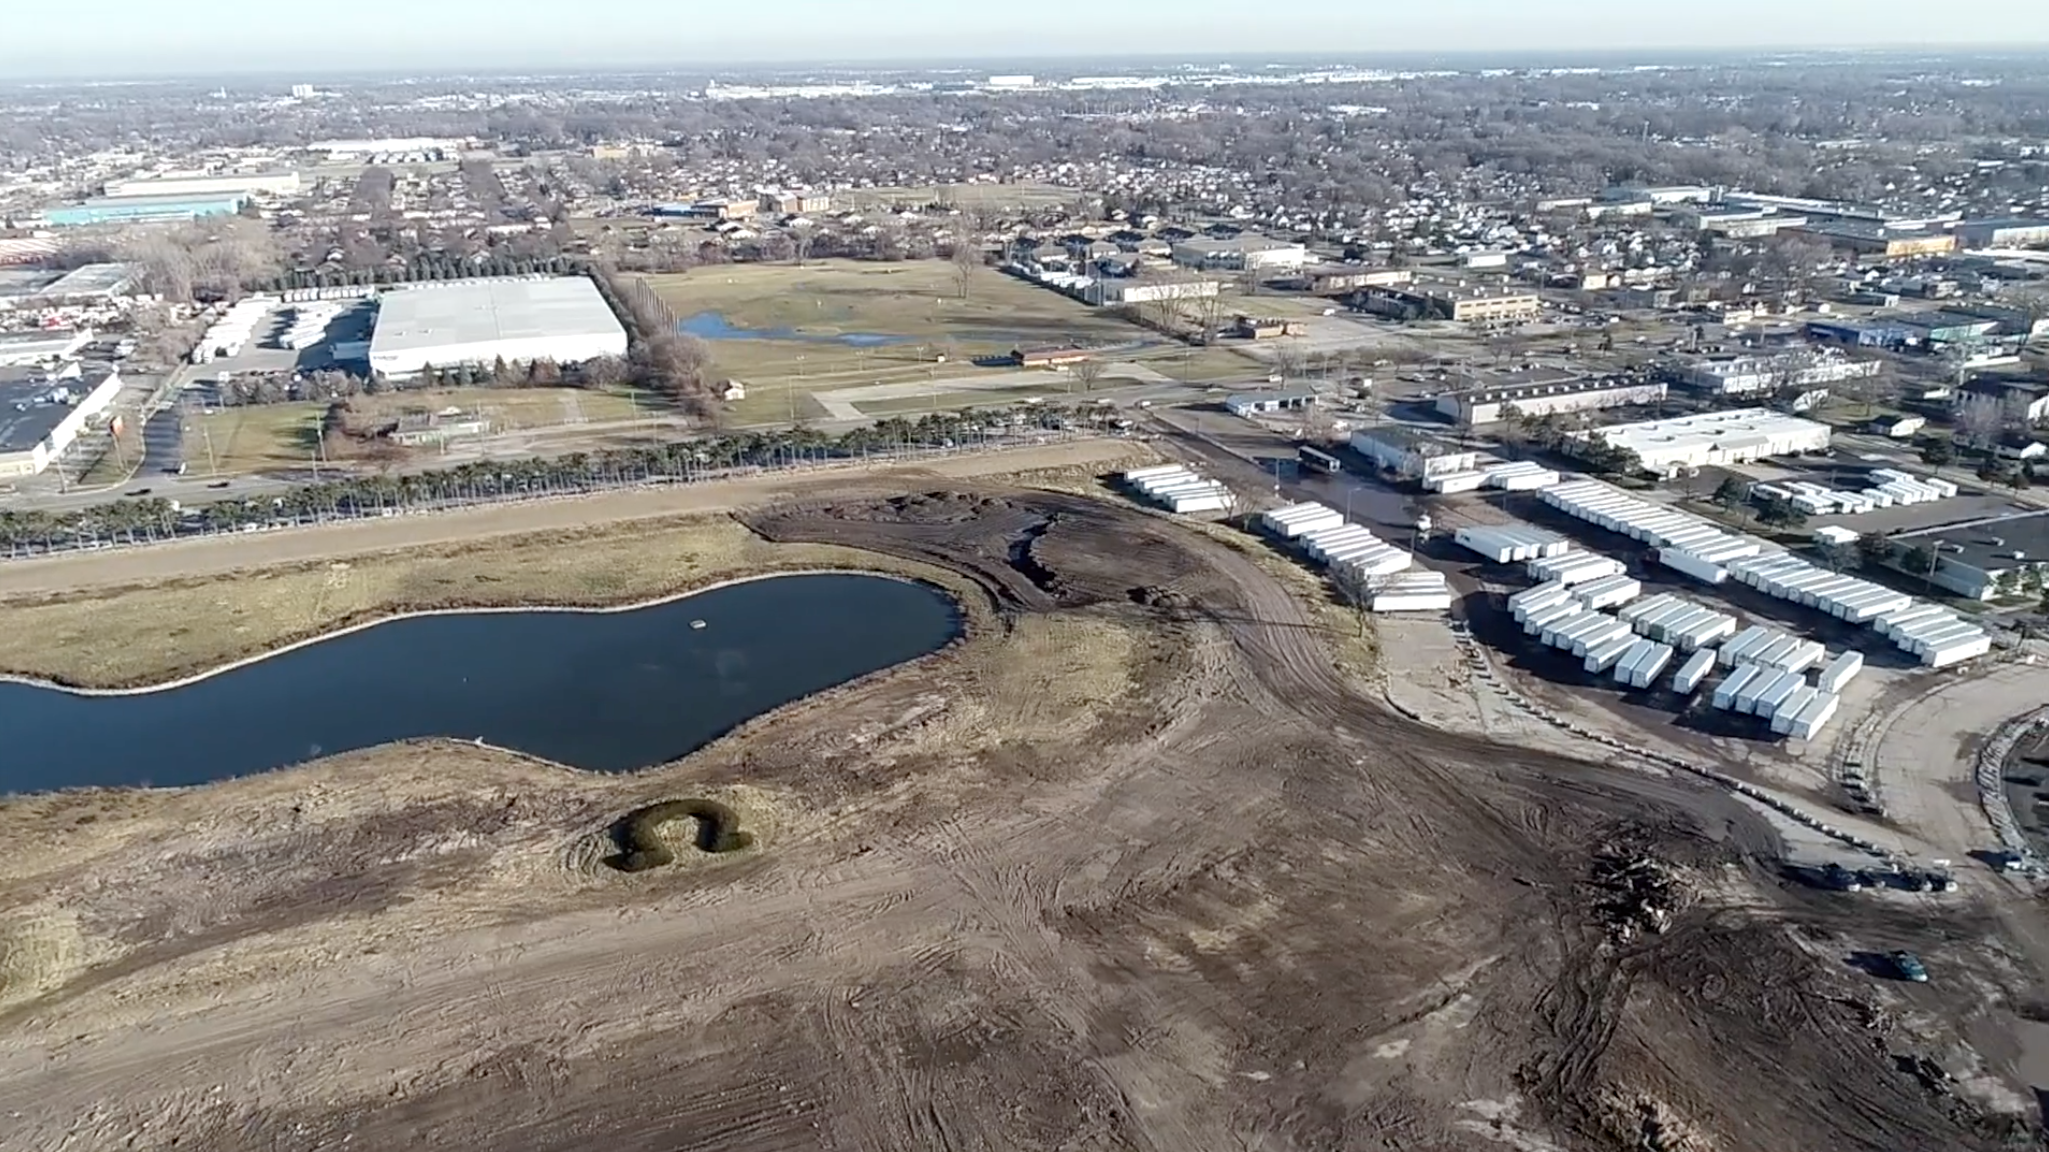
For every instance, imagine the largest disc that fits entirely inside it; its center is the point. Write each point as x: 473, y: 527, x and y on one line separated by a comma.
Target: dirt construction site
x: 1135, y: 865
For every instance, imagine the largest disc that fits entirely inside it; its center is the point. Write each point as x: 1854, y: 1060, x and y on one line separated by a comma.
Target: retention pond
x: 605, y: 691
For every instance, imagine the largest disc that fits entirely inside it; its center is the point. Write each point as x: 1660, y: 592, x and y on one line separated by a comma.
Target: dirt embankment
x: 1136, y: 867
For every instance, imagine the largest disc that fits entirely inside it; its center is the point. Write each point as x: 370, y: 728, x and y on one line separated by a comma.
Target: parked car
x: 1909, y: 966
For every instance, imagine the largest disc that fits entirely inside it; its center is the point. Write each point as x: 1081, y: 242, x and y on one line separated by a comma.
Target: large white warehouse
x: 518, y: 320
x: 1667, y: 447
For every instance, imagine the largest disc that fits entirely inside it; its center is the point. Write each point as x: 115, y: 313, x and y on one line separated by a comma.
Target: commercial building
x: 1337, y: 279
x: 40, y: 416
x: 1750, y: 375
x: 562, y: 319
x: 201, y: 184
x: 144, y: 209
x: 1255, y: 403
x: 1876, y: 238
x: 1974, y: 561
x: 1461, y: 302
x: 1241, y: 253
x: 1150, y: 291
x: 43, y: 347
x: 429, y: 146
x: 1410, y: 453
x: 89, y: 282
x: 795, y: 202
x: 2007, y: 232
x: 1668, y: 447
x: 1541, y: 392
x: 2015, y: 401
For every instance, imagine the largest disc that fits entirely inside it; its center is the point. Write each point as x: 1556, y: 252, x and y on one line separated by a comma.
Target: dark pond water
x: 713, y: 326
x: 603, y: 691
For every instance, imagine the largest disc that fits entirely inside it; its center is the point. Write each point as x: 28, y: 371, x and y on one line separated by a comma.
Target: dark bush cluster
x: 641, y: 846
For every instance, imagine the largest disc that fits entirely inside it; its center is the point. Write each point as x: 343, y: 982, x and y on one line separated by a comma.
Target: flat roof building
x: 49, y: 344
x: 1461, y: 302
x: 90, y: 282
x: 1749, y: 375
x: 204, y: 184
x: 143, y: 209
x: 1238, y: 253
x: 40, y: 417
x: 1543, y: 391
x: 1975, y: 560
x: 563, y: 319
x: 1668, y: 447
x: 1411, y: 453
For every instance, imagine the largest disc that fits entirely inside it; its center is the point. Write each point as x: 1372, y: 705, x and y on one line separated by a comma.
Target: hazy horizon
x: 138, y: 38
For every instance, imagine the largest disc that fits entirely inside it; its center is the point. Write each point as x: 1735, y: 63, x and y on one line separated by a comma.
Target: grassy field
x: 150, y: 634
x: 969, y: 197
x: 916, y: 304
x: 266, y: 437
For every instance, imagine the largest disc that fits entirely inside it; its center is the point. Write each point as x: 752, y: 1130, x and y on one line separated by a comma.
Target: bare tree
x: 1287, y: 359
x: 1085, y: 373
x: 967, y: 261
x: 1209, y: 315
x: 1980, y: 422
x: 801, y: 240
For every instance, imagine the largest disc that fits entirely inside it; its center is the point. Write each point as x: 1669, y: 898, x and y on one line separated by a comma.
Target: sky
x: 154, y: 37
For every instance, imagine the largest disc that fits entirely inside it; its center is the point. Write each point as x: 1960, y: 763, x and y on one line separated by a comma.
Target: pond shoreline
x: 144, y: 686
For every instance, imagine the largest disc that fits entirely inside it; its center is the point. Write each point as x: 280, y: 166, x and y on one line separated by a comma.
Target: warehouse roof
x: 1990, y: 547
x: 469, y: 312
x: 25, y: 418
x: 90, y: 280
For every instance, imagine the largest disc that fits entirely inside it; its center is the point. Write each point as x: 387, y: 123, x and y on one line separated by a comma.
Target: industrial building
x: 89, y: 282
x: 1256, y: 403
x: 2007, y: 232
x: 40, y: 415
x: 1668, y: 447
x: 1335, y: 279
x: 202, y: 184
x: 2006, y: 398
x: 1148, y: 291
x: 1410, y: 453
x: 1540, y: 392
x: 1874, y: 238
x: 521, y: 320
x: 143, y: 209
x: 1750, y: 375
x: 1241, y: 253
x: 1972, y: 561
x: 1461, y: 302
x: 42, y: 347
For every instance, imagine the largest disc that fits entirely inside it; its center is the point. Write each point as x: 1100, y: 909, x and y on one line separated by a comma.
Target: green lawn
x: 268, y: 437
x: 917, y: 303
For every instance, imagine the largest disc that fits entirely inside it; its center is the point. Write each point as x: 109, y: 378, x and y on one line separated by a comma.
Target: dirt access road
x: 1133, y: 868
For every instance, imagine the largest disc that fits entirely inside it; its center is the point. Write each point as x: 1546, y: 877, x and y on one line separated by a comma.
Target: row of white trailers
x: 1356, y: 555
x: 1691, y: 546
x: 1793, y: 707
x: 1936, y: 636
x: 1520, y: 476
x: 1512, y: 544
x: 1605, y: 643
x: 1894, y: 488
x: 229, y: 334
x: 1179, y: 490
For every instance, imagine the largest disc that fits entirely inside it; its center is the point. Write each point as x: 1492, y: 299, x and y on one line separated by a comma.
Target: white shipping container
x: 1746, y: 700
x: 1716, y: 627
x: 1737, y: 682
x: 1776, y: 693
x: 1650, y: 665
x: 1813, y: 717
x: 1603, y: 657
x: 1792, y: 706
x: 1607, y: 592
x: 1733, y: 649
x: 1840, y: 671
x: 1687, y: 564
x: 1692, y: 672
x: 1613, y: 630
x: 1957, y: 651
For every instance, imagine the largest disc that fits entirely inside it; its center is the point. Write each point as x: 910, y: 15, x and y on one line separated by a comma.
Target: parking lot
x: 260, y: 357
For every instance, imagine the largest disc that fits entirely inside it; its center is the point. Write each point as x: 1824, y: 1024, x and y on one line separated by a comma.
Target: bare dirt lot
x: 1135, y: 867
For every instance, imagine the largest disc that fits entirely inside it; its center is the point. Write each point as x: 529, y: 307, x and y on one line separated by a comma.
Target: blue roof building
x: 144, y: 209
